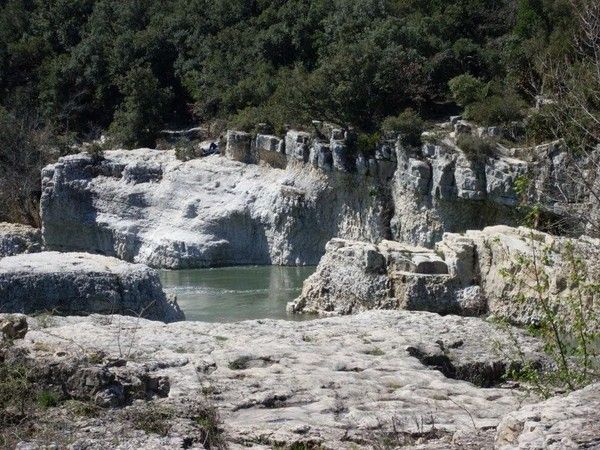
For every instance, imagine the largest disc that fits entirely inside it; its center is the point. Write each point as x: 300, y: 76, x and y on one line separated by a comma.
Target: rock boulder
x: 82, y: 284
x: 492, y: 271
x: 355, y: 276
x: 505, y: 262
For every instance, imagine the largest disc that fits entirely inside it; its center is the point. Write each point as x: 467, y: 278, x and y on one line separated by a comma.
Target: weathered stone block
x: 297, y: 145
x: 239, y: 147
x: 270, y: 149
x: 82, y: 284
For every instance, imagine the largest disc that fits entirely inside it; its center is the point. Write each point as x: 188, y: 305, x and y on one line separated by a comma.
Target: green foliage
x: 15, y: 390
x: 96, y: 151
x: 540, y: 127
x: 47, y: 399
x: 496, y: 110
x: 531, y: 20
x: 569, y: 325
x: 151, y: 418
x: 522, y: 185
x: 74, y: 69
x: 81, y: 64
x: 26, y: 145
x: 207, y: 418
x: 138, y: 119
x: 466, y: 89
x: 474, y: 147
x: 409, y: 124
x: 367, y: 143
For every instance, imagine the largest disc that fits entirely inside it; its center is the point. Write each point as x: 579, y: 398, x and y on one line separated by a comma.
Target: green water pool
x: 232, y: 294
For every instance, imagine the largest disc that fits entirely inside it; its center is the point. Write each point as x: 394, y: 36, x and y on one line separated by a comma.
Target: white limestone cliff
x: 270, y: 200
x: 146, y: 206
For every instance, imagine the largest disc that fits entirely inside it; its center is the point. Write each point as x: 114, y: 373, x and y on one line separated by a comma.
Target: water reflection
x: 236, y: 293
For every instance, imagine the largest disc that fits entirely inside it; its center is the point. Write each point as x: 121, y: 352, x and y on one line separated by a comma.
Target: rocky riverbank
x: 397, y: 229
x: 487, y: 272
x: 406, y: 378
x: 82, y: 284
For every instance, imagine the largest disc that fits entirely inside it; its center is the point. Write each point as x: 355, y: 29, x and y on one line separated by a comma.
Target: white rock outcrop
x: 565, y: 422
x: 82, y: 284
x: 17, y: 238
x: 490, y: 271
x: 146, y: 206
x: 439, y: 188
x: 271, y: 200
x: 337, y: 383
x: 356, y: 276
x: 512, y: 264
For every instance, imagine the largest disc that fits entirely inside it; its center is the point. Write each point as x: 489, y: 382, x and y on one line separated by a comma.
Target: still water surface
x: 236, y: 293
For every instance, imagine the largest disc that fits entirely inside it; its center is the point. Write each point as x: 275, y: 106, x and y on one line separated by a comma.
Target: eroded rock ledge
x: 337, y: 383
x: 146, y: 206
x: 271, y: 200
x: 81, y: 284
x: 475, y: 273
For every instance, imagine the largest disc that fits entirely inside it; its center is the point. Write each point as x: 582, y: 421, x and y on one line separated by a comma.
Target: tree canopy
x: 87, y: 65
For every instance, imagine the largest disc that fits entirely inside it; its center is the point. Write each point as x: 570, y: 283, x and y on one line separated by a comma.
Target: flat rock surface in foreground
x: 343, y: 382
x: 572, y: 421
x: 80, y: 284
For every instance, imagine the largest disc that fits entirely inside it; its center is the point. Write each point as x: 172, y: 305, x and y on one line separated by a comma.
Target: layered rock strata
x: 440, y: 188
x: 336, y: 383
x: 492, y: 271
x: 81, y: 284
x: 356, y: 276
x: 272, y: 200
x: 146, y: 206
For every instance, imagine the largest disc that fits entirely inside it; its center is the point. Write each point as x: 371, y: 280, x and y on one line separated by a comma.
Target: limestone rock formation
x: 355, y: 276
x: 492, y: 271
x: 337, y: 383
x: 440, y: 188
x: 239, y: 147
x: 17, y: 238
x: 81, y: 284
x: 506, y: 262
x: 146, y: 206
x: 272, y: 200
x: 570, y: 421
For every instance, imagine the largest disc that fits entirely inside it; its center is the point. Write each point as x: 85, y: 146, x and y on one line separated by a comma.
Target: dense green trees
x: 352, y: 62
x: 81, y: 67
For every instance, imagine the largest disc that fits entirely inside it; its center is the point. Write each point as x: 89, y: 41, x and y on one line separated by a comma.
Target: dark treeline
x: 86, y: 65
x: 78, y: 68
